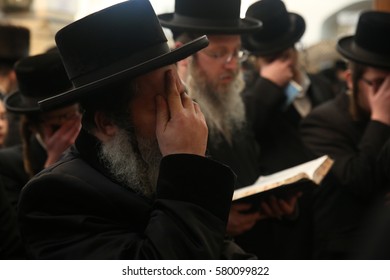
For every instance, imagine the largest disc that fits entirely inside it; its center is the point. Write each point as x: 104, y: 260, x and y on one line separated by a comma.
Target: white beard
x: 222, y: 106
x: 132, y: 162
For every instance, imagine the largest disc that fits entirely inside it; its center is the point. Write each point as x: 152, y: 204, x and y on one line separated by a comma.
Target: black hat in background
x: 208, y: 17
x: 370, y: 45
x: 120, y: 42
x: 281, y: 29
x: 40, y: 76
x: 14, y: 43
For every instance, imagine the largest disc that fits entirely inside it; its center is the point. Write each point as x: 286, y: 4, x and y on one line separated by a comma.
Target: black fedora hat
x: 14, y: 42
x: 370, y: 45
x: 208, y: 17
x: 281, y: 29
x: 120, y: 42
x: 39, y: 77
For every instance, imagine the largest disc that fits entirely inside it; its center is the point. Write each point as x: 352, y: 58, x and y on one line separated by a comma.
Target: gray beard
x: 132, y: 162
x: 222, y: 105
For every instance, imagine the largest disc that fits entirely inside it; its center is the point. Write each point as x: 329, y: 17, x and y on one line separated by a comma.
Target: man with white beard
x: 214, y: 79
x: 137, y: 184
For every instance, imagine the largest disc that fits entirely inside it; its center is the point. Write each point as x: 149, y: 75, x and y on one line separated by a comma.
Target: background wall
x: 325, y: 20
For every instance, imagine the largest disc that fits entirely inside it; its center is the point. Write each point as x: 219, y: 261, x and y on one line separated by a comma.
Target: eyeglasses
x: 225, y: 57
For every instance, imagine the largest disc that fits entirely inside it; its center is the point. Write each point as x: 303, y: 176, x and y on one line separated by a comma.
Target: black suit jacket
x: 12, y: 174
x: 75, y: 210
x: 277, y: 129
x: 346, y: 196
x: 277, y: 133
x: 11, y: 246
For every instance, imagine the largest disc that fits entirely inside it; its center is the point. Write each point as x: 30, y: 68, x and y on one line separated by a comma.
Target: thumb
x: 162, y: 113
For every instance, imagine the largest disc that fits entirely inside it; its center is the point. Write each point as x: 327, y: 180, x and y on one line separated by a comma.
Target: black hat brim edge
x: 245, y: 25
x: 14, y: 104
x: 279, y: 44
x: 347, y: 48
x: 81, y: 92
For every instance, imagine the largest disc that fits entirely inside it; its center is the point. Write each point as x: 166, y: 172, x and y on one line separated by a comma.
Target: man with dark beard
x: 137, y: 184
x: 214, y: 79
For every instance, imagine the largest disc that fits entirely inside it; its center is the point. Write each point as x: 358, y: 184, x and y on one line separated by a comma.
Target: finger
x: 197, y: 108
x: 275, y: 207
x: 187, y: 101
x: 47, y: 132
x: 266, y: 209
x: 67, y: 128
x: 162, y: 113
x: 385, y: 85
x: 174, y: 97
x: 287, y: 207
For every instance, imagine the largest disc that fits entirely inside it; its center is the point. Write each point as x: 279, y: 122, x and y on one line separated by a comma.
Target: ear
x: 348, y: 78
x: 105, y: 128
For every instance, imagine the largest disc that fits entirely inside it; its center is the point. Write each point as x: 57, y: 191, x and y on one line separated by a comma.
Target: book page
x: 306, y: 170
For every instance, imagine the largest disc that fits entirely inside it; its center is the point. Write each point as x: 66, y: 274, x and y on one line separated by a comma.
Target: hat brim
x: 83, y: 91
x: 15, y: 103
x: 195, y: 25
x: 288, y: 39
x: 350, y: 50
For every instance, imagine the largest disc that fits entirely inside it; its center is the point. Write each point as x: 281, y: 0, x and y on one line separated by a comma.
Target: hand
x: 279, y: 71
x: 277, y: 207
x: 57, y: 141
x: 180, y: 125
x: 380, y: 101
x: 239, y: 222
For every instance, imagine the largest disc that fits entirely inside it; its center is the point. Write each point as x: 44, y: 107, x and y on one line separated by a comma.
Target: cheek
x: 144, y: 119
x: 210, y: 70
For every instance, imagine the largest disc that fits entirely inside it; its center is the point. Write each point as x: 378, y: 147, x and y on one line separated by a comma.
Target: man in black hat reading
x: 283, y: 92
x: 137, y: 184
x: 352, y: 129
x: 214, y: 79
x: 279, y: 97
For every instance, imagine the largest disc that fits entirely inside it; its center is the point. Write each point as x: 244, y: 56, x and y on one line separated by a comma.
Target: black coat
x: 11, y: 246
x: 345, y: 198
x: 281, y: 147
x: 74, y: 210
x: 277, y: 129
x: 12, y: 178
x: 242, y: 155
x: 12, y: 173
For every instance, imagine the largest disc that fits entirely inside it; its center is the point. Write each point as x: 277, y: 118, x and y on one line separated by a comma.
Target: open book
x: 289, y: 180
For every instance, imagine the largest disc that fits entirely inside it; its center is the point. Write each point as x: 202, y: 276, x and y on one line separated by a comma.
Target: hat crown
x: 372, y: 31
x: 208, y: 17
x: 14, y: 42
x: 216, y: 9
x: 41, y: 76
x: 280, y: 30
x: 274, y: 16
x: 91, y: 48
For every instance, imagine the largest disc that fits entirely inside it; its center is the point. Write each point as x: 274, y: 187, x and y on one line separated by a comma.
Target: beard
x: 221, y: 104
x: 133, y: 162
